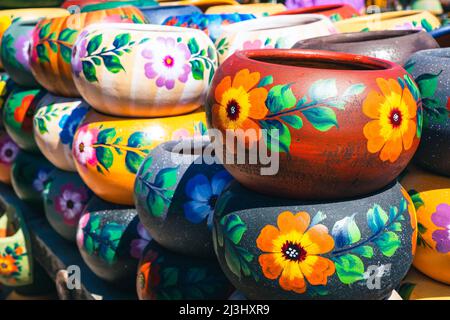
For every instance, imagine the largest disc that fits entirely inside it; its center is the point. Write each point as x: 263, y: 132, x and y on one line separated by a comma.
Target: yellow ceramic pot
x: 202, y: 4
x: 433, y: 263
x: 109, y: 150
x: 397, y: 20
x: 258, y: 9
x: 417, y: 286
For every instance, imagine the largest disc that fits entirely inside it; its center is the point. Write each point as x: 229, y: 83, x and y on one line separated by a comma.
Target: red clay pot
x: 347, y: 124
x: 335, y: 12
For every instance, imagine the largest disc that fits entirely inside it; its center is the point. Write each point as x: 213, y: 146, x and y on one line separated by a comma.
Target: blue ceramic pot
x: 442, y: 36
x: 159, y: 14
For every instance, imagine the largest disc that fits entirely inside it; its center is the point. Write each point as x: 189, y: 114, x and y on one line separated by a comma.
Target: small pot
x: 397, y: 20
x: 175, y: 195
x: 50, y: 59
x: 335, y: 12
x: 110, y: 242
x: 163, y: 275
x: 328, y: 110
x: 8, y: 153
x: 104, y: 5
x: 393, y: 45
x: 54, y: 124
x: 158, y: 14
x: 430, y: 71
x: 14, y: 4
x: 257, y: 9
x: 272, y: 248
x: 212, y: 24
x: 108, y: 151
x: 65, y: 198
x: 271, y: 32
x: 201, y: 4
x: 417, y: 286
x: 153, y: 74
x: 433, y: 6
x: 18, y: 115
x: 442, y: 36
x: 431, y: 196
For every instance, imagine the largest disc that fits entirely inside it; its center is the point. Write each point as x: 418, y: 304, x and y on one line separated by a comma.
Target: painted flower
x: 138, y: 245
x: 240, y: 104
x: 292, y: 252
x: 407, y: 26
x: 78, y: 53
x: 169, y: 61
x: 84, y: 146
x: 8, y: 151
x: 441, y: 218
x: 8, y: 265
x: 69, y: 124
x: 40, y: 180
x: 180, y: 134
x: 203, y: 195
x: 70, y: 203
x: 117, y: 18
x: 22, y: 47
x: 256, y: 44
x: 412, y: 219
x: 24, y: 113
x: 35, y: 39
x: 394, y: 119
x: 81, y: 225
x: 149, y: 276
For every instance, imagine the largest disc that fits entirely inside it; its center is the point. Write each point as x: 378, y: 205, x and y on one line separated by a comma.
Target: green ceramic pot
x: 6, y: 87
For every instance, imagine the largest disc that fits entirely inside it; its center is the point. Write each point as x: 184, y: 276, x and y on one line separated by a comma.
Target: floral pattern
x: 16, y: 50
x: 11, y: 258
x: 138, y: 245
x: 69, y: 124
x: 23, y: 114
x: 441, y: 219
x: 8, y: 151
x: 40, y: 180
x: 84, y: 146
x: 70, y: 203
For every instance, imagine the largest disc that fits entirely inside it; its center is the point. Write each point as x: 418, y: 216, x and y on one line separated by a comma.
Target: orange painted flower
x: 292, y: 252
x: 239, y: 105
x: 8, y: 265
x: 394, y: 119
x: 412, y: 219
x: 24, y: 113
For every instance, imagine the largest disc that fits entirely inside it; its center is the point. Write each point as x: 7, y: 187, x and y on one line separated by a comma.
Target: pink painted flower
x: 255, y: 44
x: 81, y: 224
x: 79, y: 52
x: 8, y: 151
x: 407, y: 26
x: 84, y: 146
x: 138, y: 245
x: 70, y: 203
x: 22, y: 47
x: 441, y: 218
x: 180, y: 134
x: 34, y: 41
x: 169, y: 61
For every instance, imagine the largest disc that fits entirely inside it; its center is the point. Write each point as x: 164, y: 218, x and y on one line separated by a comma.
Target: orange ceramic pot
x: 8, y: 153
x: 335, y: 12
x: 52, y: 42
x: 109, y: 150
x: 417, y: 286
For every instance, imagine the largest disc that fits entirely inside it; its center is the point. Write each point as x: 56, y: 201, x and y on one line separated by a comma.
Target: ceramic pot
x: 271, y: 32
x: 393, y: 45
x: 328, y: 110
x: 431, y: 196
x: 429, y: 69
x: 175, y: 192
x: 335, y: 12
x: 158, y: 14
x: 12, y: 4
x: 6, y: 87
x: 54, y: 124
x: 211, y: 24
x: 359, y: 5
x: 18, y: 115
x: 118, y: 4
x: 442, y: 36
x: 81, y: 3
x: 8, y: 153
x: 203, y: 5
x: 16, y: 263
x: 153, y: 74
x: 397, y: 20
x: 257, y: 9
x: 111, y: 240
x: 185, y: 273
x: 65, y: 198
x: 29, y: 174
x: 273, y: 248
x: 50, y: 58
x: 417, y: 286
x: 108, y: 151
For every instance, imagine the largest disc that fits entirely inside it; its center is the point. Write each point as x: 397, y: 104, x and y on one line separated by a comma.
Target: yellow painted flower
x: 394, y: 119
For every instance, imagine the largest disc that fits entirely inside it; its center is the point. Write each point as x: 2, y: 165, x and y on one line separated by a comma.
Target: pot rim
x: 442, y: 53
x: 383, y: 16
x: 316, y: 9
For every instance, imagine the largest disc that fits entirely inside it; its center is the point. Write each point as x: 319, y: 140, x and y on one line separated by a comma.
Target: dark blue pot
x: 158, y: 14
x: 442, y: 36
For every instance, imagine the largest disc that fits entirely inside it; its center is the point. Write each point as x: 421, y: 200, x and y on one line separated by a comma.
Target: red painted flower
x: 25, y: 112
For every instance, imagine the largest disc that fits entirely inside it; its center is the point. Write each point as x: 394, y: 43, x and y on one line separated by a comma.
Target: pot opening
x: 273, y: 25
x: 371, y: 36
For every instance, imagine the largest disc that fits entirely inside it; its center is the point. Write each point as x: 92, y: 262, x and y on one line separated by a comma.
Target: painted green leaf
x: 409, y: 66
x: 68, y: 35
x: 44, y: 31
x: 104, y: 156
x: 133, y: 161
x: 280, y: 97
x: 169, y: 277
x: 388, y: 243
x: 97, y: 61
x: 42, y: 53
x: 53, y: 46
x: 293, y: 120
x: 416, y: 199
x: 166, y: 177
x: 234, y: 228
x: 212, y: 53
x: 193, y: 46
x: 364, y: 251
x: 94, y: 44
x: 321, y: 118
x: 268, y: 80
x: 155, y: 203
x: 412, y: 86
x: 112, y: 63
x: 345, y: 232
x: 396, y: 227
x: 353, y: 90
x: 89, y: 71
x: 106, y: 136
x: 349, y: 268
x: 323, y: 89
x: 66, y: 52
x: 197, y: 69
x: 278, y: 137
x: 426, y: 25
x: 376, y: 218
x: 427, y: 83
x: 41, y: 124
x: 232, y: 260
x: 121, y: 40
x: 139, y: 139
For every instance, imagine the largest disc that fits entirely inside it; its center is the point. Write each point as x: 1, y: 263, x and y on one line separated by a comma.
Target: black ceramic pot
x: 164, y: 275
x: 430, y: 69
x: 111, y: 239
x: 393, y: 45
x: 175, y: 195
x: 272, y: 248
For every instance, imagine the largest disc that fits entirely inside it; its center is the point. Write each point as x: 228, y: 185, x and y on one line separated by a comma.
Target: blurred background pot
x: 417, y: 286
x: 8, y: 153
x: 433, y: 6
x: 118, y: 4
x: 257, y: 9
x: 158, y: 14
x: 442, y: 36
x: 6, y: 87
x: 201, y: 4
x: 335, y: 12
x: 11, y: 4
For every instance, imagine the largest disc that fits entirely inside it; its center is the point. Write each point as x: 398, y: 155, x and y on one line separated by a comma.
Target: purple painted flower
x: 70, y: 203
x: 169, y: 61
x: 78, y: 53
x: 138, y: 245
x: 441, y: 218
x: 22, y: 47
x: 8, y: 151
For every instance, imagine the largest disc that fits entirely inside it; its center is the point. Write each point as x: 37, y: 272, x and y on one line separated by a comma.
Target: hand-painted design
x: 259, y: 44
x: 160, y: 191
x: 245, y: 103
x: 70, y: 203
x: 222, y: 45
x: 8, y: 151
x: 69, y: 124
x: 418, y: 203
x: 138, y: 245
x: 44, y: 115
x: 84, y: 146
x: 81, y: 225
x: 10, y: 263
x: 20, y: 110
x: 441, y: 219
x: 203, y: 196
x: 40, y: 180
x: 412, y: 219
x: 16, y: 51
x: 335, y: 17
x: 394, y: 123
x: 123, y: 18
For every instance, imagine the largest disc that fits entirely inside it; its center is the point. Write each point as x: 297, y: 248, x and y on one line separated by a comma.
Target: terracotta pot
x: 271, y: 32
x: 118, y: 4
x: 110, y: 240
x: 429, y: 69
x: 8, y: 153
x: 335, y: 12
x: 54, y: 124
x: 417, y: 286
x: 257, y: 9
x: 158, y: 14
x: 52, y: 41
x: 18, y: 115
x: 152, y: 75
x: 163, y: 275
x: 397, y: 20
x: 108, y: 151
x: 65, y: 198
x: 431, y: 196
x: 212, y: 24
x: 329, y: 110
x: 203, y: 5
x: 175, y: 194
x: 29, y: 3
x: 393, y: 45
x: 29, y: 174
x: 272, y: 248
x: 442, y: 36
